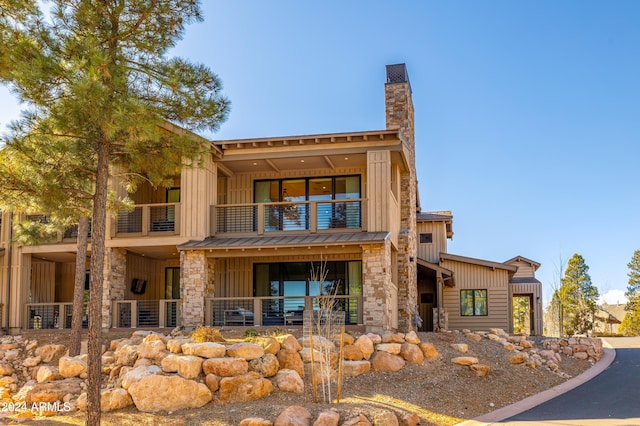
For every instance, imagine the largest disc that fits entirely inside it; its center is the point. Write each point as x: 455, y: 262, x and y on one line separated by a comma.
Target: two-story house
x: 231, y: 242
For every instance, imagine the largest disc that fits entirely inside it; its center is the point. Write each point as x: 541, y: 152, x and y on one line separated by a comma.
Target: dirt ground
x: 438, y: 391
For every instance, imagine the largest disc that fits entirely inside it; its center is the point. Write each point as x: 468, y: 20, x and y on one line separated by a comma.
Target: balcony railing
x: 145, y: 313
x: 311, y: 216
x: 52, y: 315
x: 148, y: 219
x: 267, y: 311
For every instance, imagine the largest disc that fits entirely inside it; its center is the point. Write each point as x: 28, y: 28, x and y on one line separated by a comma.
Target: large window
x: 473, y: 303
x: 324, y: 191
x: 292, y: 280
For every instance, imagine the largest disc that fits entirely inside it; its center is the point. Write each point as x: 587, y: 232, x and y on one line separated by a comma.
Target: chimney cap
x: 397, y: 73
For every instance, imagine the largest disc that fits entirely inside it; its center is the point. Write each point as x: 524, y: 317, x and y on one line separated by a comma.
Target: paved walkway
x: 610, y: 398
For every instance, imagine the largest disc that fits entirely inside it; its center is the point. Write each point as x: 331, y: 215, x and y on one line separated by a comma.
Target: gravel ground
x: 438, y: 391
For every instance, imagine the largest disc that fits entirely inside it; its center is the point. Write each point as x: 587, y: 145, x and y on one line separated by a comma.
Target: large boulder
x: 266, y: 366
x: 136, y: 374
x: 412, y: 337
x: 47, y: 373
x: 429, y: 351
x: 294, y: 415
x: 53, y: 391
x: 204, y: 350
x: 243, y: 388
x: 385, y: 361
x: 480, y: 370
x: 48, y: 353
x: 365, y: 344
x: 126, y: 354
x: 225, y: 367
x: 110, y: 400
x: 72, y: 366
x: 189, y: 366
x: 411, y: 353
x: 464, y: 360
x: 291, y: 360
x: 393, y: 338
x: 328, y: 418
x: 392, y: 348
x: 517, y: 357
x: 355, y: 368
x: 289, y: 381
x: 151, y: 349
x: 6, y: 369
x: 288, y: 343
x: 352, y: 353
x: 168, y: 393
x: 169, y: 364
x: 255, y: 421
x: 248, y: 351
x: 270, y: 345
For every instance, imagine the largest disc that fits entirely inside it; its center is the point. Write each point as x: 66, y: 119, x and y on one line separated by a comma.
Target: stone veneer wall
x: 377, y: 287
x: 114, y: 285
x: 197, y: 274
x: 400, y: 115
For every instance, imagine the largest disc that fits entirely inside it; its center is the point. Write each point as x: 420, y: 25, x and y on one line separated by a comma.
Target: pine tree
x: 39, y: 174
x: 577, y: 297
x: 631, y: 323
x: 98, y: 73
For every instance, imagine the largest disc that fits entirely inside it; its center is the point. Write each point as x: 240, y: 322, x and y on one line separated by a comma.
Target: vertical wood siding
x: 469, y: 276
x: 378, y: 189
x: 197, y: 193
x: 431, y: 251
x: 65, y: 277
x: 43, y: 286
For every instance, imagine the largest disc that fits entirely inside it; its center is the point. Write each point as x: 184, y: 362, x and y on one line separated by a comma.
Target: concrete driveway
x: 610, y: 398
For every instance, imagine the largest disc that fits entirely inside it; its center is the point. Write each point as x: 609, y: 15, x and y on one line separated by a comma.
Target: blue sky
x: 527, y: 112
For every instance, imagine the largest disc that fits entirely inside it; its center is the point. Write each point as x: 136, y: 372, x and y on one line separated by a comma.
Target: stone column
x: 378, y: 290
x: 114, y: 285
x: 400, y: 116
x: 196, y: 283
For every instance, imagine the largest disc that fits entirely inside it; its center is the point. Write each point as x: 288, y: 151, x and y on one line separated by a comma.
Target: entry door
x: 426, y: 302
x: 523, y: 316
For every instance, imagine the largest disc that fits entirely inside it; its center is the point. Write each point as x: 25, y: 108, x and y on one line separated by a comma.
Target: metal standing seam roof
x: 432, y: 216
x: 524, y: 280
x: 268, y: 241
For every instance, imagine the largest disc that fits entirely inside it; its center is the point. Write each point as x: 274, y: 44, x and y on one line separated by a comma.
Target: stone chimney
x: 399, y: 112
x: 398, y: 103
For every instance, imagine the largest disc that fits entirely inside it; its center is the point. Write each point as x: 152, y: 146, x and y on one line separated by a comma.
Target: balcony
x: 308, y: 216
x: 148, y: 219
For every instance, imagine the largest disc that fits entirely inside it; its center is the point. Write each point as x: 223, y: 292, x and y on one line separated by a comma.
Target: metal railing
x: 145, y: 313
x: 52, y: 315
x: 148, y: 219
x: 312, y: 216
x: 282, y: 310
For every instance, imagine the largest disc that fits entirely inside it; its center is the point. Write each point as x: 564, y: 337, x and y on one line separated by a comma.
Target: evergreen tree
x: 577, y: 297
x: 631, y: 323
x: 42, y: 175
x: 98, y: 73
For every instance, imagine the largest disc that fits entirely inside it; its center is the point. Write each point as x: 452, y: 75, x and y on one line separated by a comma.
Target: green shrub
x: 250, y: 333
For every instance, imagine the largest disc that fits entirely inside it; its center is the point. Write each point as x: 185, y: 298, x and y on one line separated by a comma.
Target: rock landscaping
x: 157, y: 373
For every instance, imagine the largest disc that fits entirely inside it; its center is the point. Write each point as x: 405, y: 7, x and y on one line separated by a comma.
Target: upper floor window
x: 426, y: 238
x: 324, y: 192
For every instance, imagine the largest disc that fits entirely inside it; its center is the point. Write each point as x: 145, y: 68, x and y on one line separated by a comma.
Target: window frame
x: 473, y: 302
